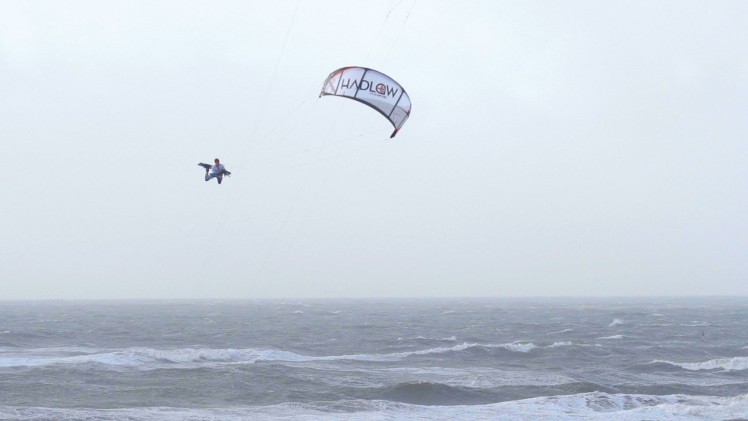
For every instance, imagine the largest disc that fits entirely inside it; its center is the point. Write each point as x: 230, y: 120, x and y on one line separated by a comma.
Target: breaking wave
x: 612, y: 337
x: 615, y: 322
x: 559, y: 344
x: 192, y: 356
x: 517, y: 347
x: 423, y: 338
x: 592, y: 405
x: 696, y: 323
x: 729, y: 364
x: 560, y: 331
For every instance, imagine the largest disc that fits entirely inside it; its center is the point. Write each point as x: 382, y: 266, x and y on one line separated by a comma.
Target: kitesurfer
x: 216, y: 171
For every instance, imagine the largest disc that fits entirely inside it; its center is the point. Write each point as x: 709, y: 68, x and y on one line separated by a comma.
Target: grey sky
x: 555, y: 148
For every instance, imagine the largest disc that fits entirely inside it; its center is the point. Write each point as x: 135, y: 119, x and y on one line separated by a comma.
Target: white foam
x: 424, y: 338
x: 297, y: 312
x: 589, y: 406
x: 559, y: 344
x: 149, y: 358
x: 189, y: 357
x: 133, y: 357
x: 395, y: 356
x: 560, y: 331
x: 604, y: 406
x: 615, y: 322
x: 121, y: 359
x: 476, y: 377
x: 729, y: 364
x: 516, y: 346
x: 612, y: 337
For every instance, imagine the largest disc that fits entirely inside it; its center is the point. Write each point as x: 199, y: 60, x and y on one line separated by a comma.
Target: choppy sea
x: 472, y: 359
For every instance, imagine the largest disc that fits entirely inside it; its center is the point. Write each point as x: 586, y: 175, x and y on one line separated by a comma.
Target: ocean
x: 386, y: 359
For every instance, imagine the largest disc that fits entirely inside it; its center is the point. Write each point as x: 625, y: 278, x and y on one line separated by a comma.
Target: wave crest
x: 729, y: 364
x: 591, y: 405
x: 188, y: 357
x: 559, y: 344
x: 615, y: 322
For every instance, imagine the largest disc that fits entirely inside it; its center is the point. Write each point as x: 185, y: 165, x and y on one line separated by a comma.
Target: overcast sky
x: 554, y: 148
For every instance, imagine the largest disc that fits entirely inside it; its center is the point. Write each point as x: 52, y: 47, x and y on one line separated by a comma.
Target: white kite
x: 372, y: 88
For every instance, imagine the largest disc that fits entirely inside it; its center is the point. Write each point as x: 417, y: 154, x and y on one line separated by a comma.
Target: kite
x: 372, y: 88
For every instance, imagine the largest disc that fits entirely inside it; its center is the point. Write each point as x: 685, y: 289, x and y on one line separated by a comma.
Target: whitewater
x: 472, y: 359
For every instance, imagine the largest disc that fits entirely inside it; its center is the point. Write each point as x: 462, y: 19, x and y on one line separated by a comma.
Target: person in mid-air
x: 216, y: 171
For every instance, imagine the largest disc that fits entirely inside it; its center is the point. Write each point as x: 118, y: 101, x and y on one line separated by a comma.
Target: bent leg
x: 219, y: 177
x: 208, y: 176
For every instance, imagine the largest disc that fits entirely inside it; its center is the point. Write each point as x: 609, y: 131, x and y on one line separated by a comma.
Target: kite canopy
x: 372, y: 88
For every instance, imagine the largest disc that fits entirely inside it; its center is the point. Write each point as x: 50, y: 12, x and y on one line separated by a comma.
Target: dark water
x: 386, y: 359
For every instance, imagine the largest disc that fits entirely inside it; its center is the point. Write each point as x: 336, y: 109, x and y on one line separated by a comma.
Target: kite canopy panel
x: 372, y: 88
